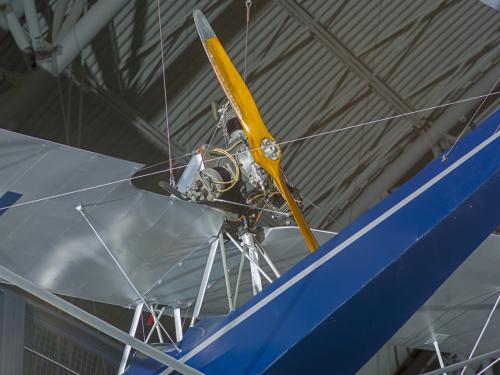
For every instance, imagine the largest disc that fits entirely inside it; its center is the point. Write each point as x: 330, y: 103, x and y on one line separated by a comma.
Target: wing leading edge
x: 49, y: 242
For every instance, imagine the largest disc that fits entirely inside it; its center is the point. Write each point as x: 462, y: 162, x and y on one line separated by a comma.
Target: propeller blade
x: 265, y: 151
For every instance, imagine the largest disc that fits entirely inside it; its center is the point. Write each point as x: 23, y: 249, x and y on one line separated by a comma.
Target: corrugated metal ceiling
x: 427, y: 52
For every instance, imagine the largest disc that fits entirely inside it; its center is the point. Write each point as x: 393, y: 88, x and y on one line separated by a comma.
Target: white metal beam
x: 74, y: 14
x: 204, y: 281
x: 268, y: 260
x: 178, y: 324
x: 226, y: 272
x: 82, y: 33
x: 485, y: 326
x: 32, y: 20
x: 238, y: 280
x: 438, y: 353
x: 157, y: 323
x: 59, y: 12
x: 243, y: 252
x: 12, y: 22
x: 94, y: 322
x: 133, y: 329
x: 156, y: 327
x: 249, y: 242
x: 459, y: 365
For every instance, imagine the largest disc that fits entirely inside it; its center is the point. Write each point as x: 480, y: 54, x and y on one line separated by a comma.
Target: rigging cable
x: 355, y: 192
x: 445, y: 156
x: 321, y: 134
x: 172, y: 178
x: 252, y: 207
x: 61, y: 101
x: 482, y: 331
x: 55, y: 71
x: 79, y: 208
x: 248, y: 5
x: 489, y: 366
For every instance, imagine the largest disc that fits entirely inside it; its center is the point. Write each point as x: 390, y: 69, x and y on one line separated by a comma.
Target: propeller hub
x: 270, y: 149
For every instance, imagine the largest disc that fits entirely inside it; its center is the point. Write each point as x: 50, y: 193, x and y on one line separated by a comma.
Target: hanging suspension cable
x: 445, y: 156
x: 328, y: 132
x: 172, y: 178
x: 248, y: 5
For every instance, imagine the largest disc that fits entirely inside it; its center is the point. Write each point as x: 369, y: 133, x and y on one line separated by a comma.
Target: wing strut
x: 264, y: 149
x: 99, y: 324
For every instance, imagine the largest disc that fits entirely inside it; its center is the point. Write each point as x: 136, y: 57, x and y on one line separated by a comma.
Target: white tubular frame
x: 133, y: 329
x: 438, y: 353
x: 248, y: 241
x: 156, y: 326
x: 204, y: 281
x: 178, y: 324
x: 268, y: 260
x: 238, y: 246
x: 32, y: 21
x: 226, y: 272
x: 87, y: 318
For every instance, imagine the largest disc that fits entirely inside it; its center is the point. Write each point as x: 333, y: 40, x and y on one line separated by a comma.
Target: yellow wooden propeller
x: 265, y: 151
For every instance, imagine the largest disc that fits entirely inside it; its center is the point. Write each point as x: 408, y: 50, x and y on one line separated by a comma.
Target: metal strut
x: 226, y: 272
x: 87, y: 318
x: 178, y: 324
x: 248, y: 241
x: 204, y: 281
x: 243, y: 252
x: 157, y: 327
x: 133, y: 329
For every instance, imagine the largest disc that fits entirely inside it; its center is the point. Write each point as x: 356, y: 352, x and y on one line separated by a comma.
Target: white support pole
x: 158, y: 330
x: 156, y: 326
x: 73, y: 15
x: 243, y: 252
x: 178, y: 324
x: 267, y: 259
x: 57, y: 20
x: 438, y: 352
x: 71, y: 43
x: 87, y: 318
x: 485, y: 326
x: 254, y: 272
x: 133, y: 329
x: 487, y: 367
x: 459, y: 365
x: 249, y: 242
x: 32, y: 20
x: 15, y: 27
x: 156, y: 323
x: 237, y: 288
x: 226, y: 272
x: 204, y: 281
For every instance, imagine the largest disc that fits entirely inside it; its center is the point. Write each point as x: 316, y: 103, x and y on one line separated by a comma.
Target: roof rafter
x: 344, y: 54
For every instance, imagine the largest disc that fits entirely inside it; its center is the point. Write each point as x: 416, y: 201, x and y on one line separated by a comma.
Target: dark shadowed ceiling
x: 314, y: 66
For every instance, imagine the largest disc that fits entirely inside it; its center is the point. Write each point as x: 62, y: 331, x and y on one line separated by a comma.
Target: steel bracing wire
x: 286, y: 142
x: 445, y: 156
x: 136, y: 291
x: 167, y: 125
x: 482, y: 332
